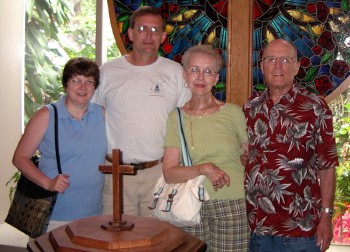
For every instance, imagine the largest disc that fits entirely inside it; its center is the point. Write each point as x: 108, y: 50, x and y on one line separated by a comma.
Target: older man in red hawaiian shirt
x: 290, y: 173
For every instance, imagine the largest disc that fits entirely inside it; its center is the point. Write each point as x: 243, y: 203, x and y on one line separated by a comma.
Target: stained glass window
x: 320, y: 30
x: 189, y: 22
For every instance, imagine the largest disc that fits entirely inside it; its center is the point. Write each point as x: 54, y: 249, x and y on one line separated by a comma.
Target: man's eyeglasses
x: 142, y: 29
x: 208, y: 71
x: 88, y: 83
x: 286, y: 60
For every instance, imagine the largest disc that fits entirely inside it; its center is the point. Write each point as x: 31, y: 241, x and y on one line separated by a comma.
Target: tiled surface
x: 11, y: 237
x: 336, y: 248
x: 4, y: 248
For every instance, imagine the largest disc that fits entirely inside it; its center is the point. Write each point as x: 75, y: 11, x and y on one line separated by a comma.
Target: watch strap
x: 329, y: 210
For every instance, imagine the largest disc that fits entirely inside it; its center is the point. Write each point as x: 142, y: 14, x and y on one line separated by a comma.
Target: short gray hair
x: 146, y: 10
x: 203, y: 49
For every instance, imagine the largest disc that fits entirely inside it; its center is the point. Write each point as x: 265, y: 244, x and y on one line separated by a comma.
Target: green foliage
x: 13, y: 180
x: 55, y: 32
x: 43, y: 19
x: 341, y: 122
x: 343, y: 186
x: 81, y: 32
x: 113, y: 51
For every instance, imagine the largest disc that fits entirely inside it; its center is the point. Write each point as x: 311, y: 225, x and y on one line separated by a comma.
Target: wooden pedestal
x: 148, y: 235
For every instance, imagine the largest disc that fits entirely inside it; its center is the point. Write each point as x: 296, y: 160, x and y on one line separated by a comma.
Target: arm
x: 174, y: 173
x: 103, y: 112
x: 241, y: 127
x: 326, y: 148
x: 324, y: 231
x: 244, y: 156
x: 27, y: 145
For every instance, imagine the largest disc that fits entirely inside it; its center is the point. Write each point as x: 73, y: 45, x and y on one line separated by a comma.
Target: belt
x: 145, y: 165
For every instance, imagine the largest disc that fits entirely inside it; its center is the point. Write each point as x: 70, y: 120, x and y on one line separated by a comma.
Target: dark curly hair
x: 80, y: 66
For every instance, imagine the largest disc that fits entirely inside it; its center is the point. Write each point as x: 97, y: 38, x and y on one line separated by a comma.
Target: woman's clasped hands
x: 217, y: 177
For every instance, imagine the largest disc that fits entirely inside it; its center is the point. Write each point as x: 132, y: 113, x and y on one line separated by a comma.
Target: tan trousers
x: 137, y: 192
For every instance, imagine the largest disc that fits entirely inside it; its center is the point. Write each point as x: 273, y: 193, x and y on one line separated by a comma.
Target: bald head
x: 282, y: 44
x: 279, y: 65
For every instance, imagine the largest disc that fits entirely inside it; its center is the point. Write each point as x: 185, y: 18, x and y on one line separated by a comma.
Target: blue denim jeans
x: 262, y: 243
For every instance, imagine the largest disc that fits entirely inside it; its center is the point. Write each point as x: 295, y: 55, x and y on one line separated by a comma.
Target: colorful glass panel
x: 320, y: 30
x: 189, y: 22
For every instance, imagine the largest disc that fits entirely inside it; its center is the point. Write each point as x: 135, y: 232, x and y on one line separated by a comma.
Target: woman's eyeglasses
x: 88, y: 83
x: 208, y: 71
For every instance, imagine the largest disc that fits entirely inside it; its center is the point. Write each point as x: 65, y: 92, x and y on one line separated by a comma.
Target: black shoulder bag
x: 32, y: 205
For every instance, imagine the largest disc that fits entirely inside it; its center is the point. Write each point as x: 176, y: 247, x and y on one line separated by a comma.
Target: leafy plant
x: 56, y: 30
x: 341, y: 122
x: 342, y: 195
x: 43, y: 21
x: 14, y: 179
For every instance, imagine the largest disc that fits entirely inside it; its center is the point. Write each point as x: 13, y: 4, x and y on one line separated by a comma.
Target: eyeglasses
x: 208, y: 71
x: 88, y: 83
x: 285, y: 60
x: 142, y: 29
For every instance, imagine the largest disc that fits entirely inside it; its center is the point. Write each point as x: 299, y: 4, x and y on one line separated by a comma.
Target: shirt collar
x: 62, y: 110
x: 289, y: 96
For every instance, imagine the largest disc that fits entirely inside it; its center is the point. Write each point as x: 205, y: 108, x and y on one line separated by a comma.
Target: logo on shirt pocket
x: 157, y: 89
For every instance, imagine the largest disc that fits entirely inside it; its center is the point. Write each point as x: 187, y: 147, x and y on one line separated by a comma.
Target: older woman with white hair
x: 214, y: 132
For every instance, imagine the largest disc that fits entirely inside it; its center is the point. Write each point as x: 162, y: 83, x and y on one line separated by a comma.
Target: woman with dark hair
x: 82, y: 146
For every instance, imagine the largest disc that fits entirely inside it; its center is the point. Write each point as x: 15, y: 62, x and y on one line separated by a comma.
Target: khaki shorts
x: 137, y: 192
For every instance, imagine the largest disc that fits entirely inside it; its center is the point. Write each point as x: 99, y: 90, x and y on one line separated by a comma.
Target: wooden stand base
x: 148, y: 235
x: 119, y: 226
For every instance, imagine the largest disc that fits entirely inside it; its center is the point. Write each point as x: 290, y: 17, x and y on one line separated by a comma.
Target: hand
x: 324, y: 232
x: 217, y: 177
x: 60, y: 183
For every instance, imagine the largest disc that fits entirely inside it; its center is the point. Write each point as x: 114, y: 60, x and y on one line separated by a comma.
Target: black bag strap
x: 58, y: 159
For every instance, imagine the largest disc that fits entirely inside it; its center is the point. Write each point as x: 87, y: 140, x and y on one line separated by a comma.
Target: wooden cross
x: 117, y: 224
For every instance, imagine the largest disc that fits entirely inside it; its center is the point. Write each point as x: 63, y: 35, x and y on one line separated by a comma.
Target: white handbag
x: 180, y: 203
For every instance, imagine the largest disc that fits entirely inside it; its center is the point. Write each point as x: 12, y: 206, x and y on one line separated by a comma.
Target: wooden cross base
x: 117, y: 226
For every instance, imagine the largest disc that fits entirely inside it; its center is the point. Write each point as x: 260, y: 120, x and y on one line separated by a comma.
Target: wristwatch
x: 329, y: 210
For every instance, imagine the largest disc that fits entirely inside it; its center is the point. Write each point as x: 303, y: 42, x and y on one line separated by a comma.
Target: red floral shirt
x: 288, y: 143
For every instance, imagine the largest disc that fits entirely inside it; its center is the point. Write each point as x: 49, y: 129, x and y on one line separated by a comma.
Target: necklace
x: 191, y: 123
x: 198, y: 116
x: 201, y: 111
x: 191, y: 132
